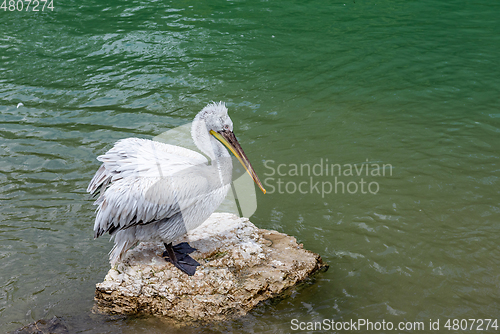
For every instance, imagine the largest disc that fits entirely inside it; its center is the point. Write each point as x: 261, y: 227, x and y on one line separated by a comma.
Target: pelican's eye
x: 226, y: 127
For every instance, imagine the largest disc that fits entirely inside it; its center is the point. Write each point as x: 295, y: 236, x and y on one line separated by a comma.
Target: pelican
x: 151, y: 191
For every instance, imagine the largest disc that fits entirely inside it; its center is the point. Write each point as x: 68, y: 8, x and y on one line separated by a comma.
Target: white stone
x: 241, y: 266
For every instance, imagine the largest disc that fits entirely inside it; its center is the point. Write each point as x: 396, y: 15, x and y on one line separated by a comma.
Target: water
x: 413, y: 85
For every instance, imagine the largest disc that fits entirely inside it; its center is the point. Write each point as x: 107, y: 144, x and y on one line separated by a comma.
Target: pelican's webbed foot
x: 178, y: 256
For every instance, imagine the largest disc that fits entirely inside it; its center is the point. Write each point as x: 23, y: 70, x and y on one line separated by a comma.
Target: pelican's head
x: 215, y: 117
x: 214, y: 120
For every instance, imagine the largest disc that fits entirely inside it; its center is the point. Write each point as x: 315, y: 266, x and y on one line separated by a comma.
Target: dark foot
x: 178, y: 256
x: 183, y: 248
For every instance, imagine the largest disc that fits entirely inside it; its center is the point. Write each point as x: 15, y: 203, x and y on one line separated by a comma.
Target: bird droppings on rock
x: 241, y: 265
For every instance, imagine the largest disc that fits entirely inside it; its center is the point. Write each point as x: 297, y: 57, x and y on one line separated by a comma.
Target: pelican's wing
x: 142, y: 200
x: 141, y: 157
x: 150, y: 181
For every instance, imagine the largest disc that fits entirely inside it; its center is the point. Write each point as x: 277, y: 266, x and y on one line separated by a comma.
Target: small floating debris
x: 20, y: 104
x: 54, y: 326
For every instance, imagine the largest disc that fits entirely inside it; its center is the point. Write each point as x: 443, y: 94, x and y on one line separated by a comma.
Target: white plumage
x: 151, y: 191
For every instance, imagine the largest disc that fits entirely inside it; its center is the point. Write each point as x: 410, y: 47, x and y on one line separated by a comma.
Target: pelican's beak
x: 229, y: 140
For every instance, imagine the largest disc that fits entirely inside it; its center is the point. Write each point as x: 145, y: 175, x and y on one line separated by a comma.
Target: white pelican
x: 151, y: 191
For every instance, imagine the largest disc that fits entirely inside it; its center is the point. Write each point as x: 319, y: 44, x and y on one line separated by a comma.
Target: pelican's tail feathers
x: 124, y: 240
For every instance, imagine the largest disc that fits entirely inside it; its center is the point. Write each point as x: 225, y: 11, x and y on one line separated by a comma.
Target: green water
x: 412, y: 85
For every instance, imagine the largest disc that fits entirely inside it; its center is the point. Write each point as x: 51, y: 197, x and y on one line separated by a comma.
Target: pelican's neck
x: 220, y: 158
x: 205, y: 142
x: 219, y: 150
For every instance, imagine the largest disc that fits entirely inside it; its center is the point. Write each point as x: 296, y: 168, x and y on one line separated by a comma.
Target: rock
x: 241, y: 265
x: 52, y: 326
